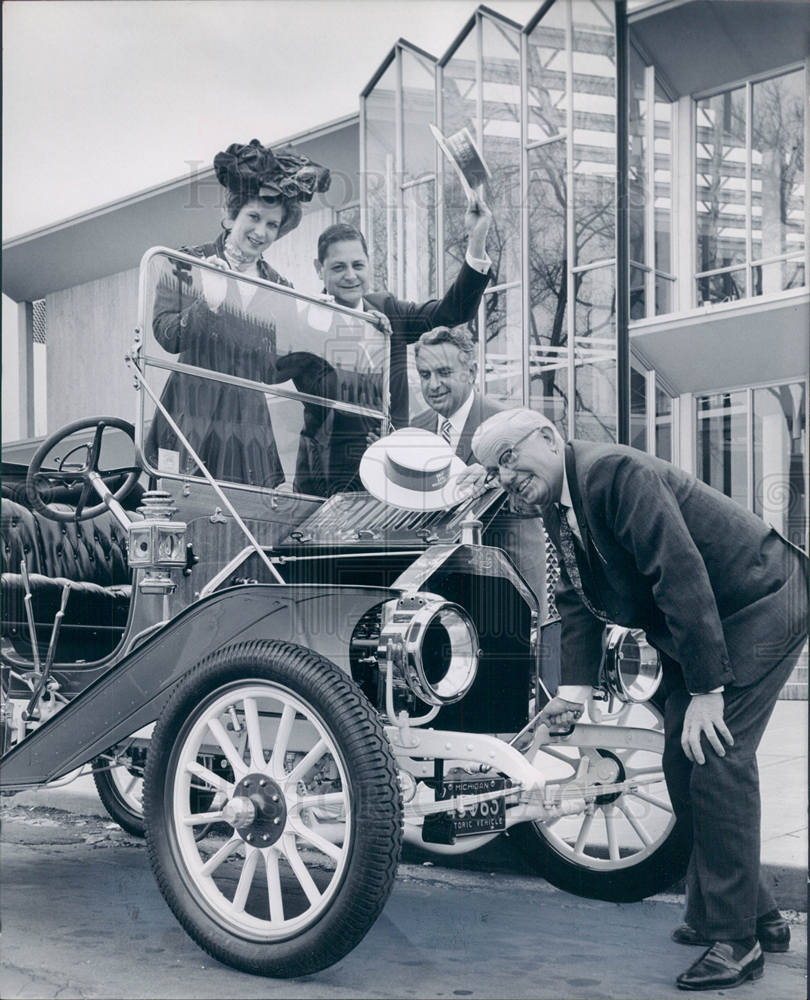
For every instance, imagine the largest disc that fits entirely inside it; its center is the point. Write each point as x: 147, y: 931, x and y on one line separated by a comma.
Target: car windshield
x: 270, y: 388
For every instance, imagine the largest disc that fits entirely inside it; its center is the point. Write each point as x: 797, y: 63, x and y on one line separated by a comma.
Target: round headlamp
x: 436, y: 646
x: 631, y: 668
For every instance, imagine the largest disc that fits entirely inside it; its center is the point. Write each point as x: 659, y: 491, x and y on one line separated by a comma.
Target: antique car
x: 280, y: 677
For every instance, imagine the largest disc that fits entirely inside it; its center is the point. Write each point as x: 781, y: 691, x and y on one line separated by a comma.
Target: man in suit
x: 343, y: 267
x: 723, y: 597
x: 445, y: 362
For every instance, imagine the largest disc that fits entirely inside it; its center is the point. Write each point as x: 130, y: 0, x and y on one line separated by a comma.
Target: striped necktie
x: 446, y: 430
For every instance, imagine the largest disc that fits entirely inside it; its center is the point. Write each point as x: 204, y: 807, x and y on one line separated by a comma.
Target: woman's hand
x: 214, y: 286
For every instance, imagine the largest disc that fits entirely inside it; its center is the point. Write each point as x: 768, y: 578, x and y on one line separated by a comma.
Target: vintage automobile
x: 278, y: 676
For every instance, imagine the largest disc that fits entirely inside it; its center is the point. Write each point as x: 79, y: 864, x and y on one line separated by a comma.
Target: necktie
x: 558, y: 524
x: 447, y: 427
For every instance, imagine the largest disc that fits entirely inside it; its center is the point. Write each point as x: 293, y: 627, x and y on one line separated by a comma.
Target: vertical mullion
x: 439, y: 161
x: 399, y: 172
x: 652, y: 423
x: 622, y: 268
x: 524, y: 216
x: 749, y: 199
x: 364, y: 214
x: 570, y: 238
x: 749, y: 447
x: 649, y: 216
x: 479, y: 133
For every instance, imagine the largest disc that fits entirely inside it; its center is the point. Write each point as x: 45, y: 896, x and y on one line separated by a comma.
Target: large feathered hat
x: 256, y: 170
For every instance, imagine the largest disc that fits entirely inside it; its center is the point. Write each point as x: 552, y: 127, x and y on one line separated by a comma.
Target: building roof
x: 183, y: 211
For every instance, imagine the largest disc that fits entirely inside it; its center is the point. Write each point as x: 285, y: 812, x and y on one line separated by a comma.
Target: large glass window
x: 749, y: 162
x: 752, y: 446
x: 460, y: 77
x: 780, y: 457
x: 649, y: 190
x: 379, y: 108
x: 722, y: 443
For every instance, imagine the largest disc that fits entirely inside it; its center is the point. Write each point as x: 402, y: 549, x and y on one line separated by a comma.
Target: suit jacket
x: 411, y: 319
x: 479, y: 411
x: 715, y: 588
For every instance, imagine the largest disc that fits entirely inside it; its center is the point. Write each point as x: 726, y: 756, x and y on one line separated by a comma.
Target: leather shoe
x: 773, y: 933
x: 717, y: 969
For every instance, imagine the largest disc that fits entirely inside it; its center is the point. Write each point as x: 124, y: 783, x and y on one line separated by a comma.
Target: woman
x: 213, y: 322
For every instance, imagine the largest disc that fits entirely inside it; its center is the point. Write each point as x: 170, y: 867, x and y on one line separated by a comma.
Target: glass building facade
x: 619, y: 202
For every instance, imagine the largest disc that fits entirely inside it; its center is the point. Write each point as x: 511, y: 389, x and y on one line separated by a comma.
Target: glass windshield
x: 270, y: 388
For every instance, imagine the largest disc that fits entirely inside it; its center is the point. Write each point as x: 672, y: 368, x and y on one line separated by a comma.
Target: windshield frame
x: 146, y: 360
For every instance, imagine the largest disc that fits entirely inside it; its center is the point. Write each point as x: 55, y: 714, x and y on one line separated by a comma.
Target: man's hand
x: 471, y: 481
x: 477, y: 220
x: 704, y: 717
x: 560, y: 714
x: 380, y: 320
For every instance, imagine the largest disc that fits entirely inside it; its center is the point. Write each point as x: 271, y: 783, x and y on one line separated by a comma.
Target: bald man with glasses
x: 723, y: 597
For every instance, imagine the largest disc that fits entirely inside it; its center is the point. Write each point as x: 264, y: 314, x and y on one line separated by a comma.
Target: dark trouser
x: 720, y: 801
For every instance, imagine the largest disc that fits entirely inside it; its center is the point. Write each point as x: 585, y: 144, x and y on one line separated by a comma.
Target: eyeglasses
x: 508, y: 458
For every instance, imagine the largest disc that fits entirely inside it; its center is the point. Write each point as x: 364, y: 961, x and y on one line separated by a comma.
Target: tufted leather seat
x: 91, y: 555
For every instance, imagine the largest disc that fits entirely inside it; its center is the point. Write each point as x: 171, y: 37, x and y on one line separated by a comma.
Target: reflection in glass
x: 419, y: 232
x: 720, y: 184
x: 638, y: 183
x: 777, y: 164
x: 503, y: 358
x: 380, y: 143
x: 547, y: 96
x: 663, y: 424
x: 722, y: 452
x: 459, y: 110
x: 595, y: 354
x: 501, y: 144
x: 723, y: 287
x: 244, y: 369
x: 548, y: 322
x: 662, y: 146
x: 638, y: 409
x: 594, y: 165
x: 780, y: 456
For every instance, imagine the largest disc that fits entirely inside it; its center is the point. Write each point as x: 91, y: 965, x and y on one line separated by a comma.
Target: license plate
x: 478, y: 817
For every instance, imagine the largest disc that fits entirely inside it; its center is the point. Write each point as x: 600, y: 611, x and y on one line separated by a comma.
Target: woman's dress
x: 228, y: 426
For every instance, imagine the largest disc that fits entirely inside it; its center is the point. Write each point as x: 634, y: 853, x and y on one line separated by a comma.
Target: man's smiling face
x: 344, y: 272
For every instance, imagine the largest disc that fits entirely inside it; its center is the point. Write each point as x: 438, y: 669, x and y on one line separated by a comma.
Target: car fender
x: 134, y: 690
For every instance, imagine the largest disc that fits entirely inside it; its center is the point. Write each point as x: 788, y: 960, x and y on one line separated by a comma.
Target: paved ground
x: 83, y: 917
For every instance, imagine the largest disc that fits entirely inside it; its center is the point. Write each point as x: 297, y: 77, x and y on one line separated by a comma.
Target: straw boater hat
x: 413, y: 469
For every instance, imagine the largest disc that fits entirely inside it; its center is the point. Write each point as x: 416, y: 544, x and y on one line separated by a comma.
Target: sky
x: 103, y: 98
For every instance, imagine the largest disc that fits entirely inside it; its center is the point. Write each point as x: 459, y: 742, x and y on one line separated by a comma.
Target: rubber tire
x: 371, y: 771
x: 656, y: 873
x: 123, y: 814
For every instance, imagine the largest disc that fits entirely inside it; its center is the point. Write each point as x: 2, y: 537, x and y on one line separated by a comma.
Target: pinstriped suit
x: 724, y: 598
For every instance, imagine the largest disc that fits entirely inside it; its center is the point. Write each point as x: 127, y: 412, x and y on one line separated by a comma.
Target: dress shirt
x: 480, y: 264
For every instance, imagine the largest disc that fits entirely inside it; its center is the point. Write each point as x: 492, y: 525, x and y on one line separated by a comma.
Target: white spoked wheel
x: 286, y: 868
x: 624, y: 844
x: 259, y: 770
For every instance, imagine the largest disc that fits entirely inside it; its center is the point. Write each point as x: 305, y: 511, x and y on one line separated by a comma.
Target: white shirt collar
x: 459, y: 418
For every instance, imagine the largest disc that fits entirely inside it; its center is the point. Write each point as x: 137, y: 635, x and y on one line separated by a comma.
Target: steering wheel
x: 89, y: 474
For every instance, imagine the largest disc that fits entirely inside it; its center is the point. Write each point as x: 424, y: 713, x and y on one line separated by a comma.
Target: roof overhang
x: 700, y: 45
x: 181, y: 212
x: 719, y: 347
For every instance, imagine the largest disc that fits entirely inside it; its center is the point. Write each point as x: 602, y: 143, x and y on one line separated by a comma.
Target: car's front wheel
x: 624, y: 845
x: 293, y: 858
